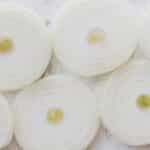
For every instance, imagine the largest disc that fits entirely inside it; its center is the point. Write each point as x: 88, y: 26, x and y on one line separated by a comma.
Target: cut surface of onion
x: 25, y: 47
x: 94, y: 37
x: 6, y: 123
x: 144, y: 42
x: 125, y: 103
x: 56, y: 113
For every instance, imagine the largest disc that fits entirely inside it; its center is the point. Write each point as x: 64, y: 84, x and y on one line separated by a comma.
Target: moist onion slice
x: 56, y: 113
x: 6, y: 123
x: 125, y: 103
x: 94, y: 37
x: 25, y: 47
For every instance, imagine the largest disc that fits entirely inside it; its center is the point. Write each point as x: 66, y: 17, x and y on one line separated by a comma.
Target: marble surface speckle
x: 48, y: 9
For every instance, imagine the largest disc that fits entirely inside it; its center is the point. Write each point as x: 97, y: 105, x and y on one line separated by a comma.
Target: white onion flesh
x: 79, y: 124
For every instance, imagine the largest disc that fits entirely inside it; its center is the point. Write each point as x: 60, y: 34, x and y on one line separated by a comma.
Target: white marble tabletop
x: 48, y: 9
